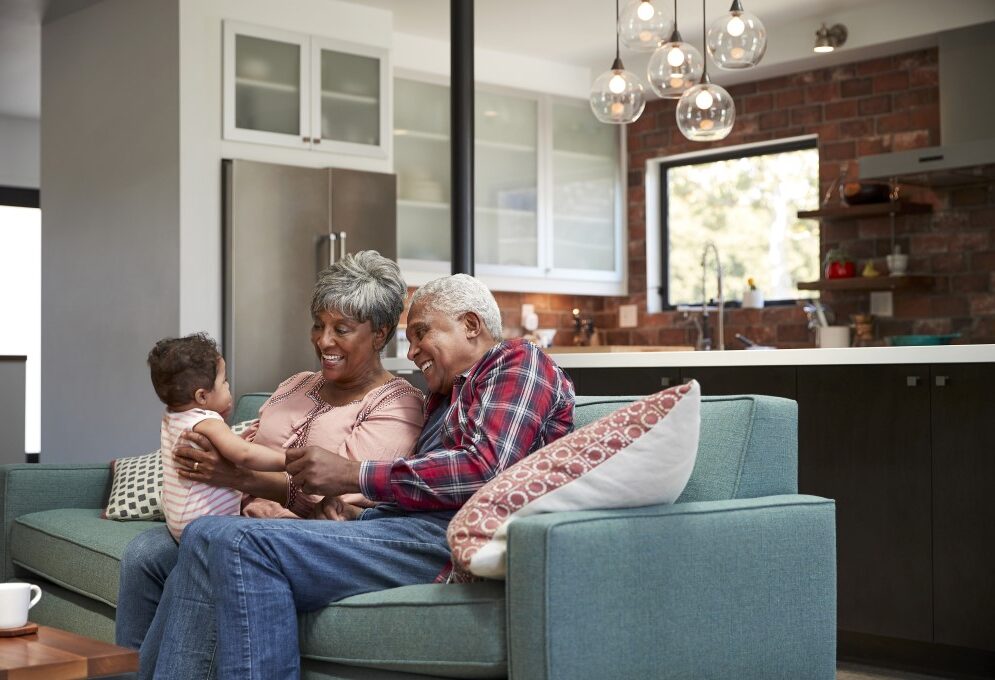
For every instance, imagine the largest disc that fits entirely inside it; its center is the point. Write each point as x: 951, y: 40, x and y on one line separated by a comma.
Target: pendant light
x: 737, y: 39
x: 706, y: 112
x: 675, y: 65
x: 616, y: 95
x: 642, y: 25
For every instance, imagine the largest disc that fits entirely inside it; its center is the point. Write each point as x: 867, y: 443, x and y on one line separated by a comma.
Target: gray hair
x: 366, y: 287
x: 458, y: 294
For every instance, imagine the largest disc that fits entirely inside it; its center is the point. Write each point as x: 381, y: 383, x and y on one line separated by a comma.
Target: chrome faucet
x: 710, y: 245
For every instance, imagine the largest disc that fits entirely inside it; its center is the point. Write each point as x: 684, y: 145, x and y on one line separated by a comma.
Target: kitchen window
x: 745, y: 200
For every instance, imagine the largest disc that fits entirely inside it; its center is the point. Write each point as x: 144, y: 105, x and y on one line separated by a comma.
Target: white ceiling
x: 576, y: 32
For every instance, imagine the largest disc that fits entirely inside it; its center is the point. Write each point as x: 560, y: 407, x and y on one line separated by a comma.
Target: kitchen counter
x: 943, y: 354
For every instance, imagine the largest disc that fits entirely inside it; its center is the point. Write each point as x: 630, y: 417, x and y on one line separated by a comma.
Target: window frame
x: 700, y: 158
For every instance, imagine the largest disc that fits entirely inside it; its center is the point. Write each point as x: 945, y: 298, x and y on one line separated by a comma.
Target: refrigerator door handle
x: 330, y: 238
x: 342, y: 250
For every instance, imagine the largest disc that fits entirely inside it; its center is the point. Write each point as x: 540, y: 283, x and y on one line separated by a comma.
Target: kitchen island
x: 901, y: 438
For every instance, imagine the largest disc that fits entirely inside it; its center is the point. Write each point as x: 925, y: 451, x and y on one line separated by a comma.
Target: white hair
x: 458, y: 294
x: 366, y: 287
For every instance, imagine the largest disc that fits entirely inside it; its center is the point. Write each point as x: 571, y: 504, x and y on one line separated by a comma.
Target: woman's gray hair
x: 365, y: 287
x: 458, y: 294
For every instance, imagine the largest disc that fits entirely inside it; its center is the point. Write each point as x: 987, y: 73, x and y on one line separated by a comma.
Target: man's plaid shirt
x: 512, y: 402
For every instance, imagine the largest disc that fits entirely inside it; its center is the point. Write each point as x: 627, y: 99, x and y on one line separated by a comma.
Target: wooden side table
x: 56, y: 654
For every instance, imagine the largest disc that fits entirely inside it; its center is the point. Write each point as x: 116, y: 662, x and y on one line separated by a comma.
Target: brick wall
x: 868, y: 107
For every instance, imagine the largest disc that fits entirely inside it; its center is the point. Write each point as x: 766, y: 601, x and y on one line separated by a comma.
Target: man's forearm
x: 269, y: 485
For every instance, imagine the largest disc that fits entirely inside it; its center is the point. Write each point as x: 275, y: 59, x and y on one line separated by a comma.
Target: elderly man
x: 239, y: 583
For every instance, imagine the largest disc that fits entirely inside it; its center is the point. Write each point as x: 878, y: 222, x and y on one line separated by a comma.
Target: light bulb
x: 735, y: 27
x: 737, y: 52
x: 616, y: 109
x: 677, y: 83
x: 703, y: 100
x: 675, y: 57
x: 617, y: 84
x: 617, y: 96
x: 642, y: 26
x: 645, y: 11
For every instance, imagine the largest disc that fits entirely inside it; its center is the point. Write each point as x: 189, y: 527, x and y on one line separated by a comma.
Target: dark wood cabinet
x: 774, y: 381
x: 864, y: 440
x: 963, y: 442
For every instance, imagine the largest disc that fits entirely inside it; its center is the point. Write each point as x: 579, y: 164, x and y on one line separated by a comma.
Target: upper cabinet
x: 547, y: 190
x: 305, y: 92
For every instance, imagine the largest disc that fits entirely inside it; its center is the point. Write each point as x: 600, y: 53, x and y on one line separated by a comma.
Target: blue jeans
x: 145, y: 565
x: 239, y: 583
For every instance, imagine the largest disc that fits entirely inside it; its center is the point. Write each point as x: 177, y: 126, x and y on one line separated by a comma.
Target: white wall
x: 110, y: 215
x: 20, y: 152
x: 201, y: 146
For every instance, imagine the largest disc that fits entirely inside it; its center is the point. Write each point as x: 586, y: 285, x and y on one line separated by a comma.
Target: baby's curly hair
x: 181, y: 366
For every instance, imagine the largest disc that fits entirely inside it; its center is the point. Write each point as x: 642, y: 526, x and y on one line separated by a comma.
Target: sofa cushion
x: 74, y: 548
x: 379, y: 630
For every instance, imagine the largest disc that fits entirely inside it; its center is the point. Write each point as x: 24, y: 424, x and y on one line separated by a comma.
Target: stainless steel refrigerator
x: 282, y: 225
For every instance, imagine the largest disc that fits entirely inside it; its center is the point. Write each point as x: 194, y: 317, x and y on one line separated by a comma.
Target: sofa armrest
x: 742, y: 588
x: 28, y: 488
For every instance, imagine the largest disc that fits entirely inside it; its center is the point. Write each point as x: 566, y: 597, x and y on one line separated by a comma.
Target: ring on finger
x: 196, y: 466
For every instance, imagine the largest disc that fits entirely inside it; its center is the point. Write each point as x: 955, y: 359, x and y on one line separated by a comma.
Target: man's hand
x: 333, y: 508
x: 319, y: 471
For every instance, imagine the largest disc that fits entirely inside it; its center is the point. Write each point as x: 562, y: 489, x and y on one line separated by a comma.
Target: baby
x: 189, y: 376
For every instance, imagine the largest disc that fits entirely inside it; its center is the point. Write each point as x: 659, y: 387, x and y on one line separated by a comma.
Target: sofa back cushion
x: 748, y: 445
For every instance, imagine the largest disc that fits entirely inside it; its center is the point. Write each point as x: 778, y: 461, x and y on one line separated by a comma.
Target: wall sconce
x: 828, y: 39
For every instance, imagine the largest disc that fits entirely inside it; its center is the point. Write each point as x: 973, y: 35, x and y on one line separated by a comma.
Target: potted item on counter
x: 752, y: 297
x: 839, y: 265
x: 898, y: 262
x: 870, y: 271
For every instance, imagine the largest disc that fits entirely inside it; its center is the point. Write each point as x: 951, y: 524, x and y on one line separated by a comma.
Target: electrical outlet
x: 882, y: 303
x: 528, y: 309
x: 628, y: 317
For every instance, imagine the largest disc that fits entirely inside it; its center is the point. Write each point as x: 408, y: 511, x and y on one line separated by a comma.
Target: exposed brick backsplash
x: 869, y: 107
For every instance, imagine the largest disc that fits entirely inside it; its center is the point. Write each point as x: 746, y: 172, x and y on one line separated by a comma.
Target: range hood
x: 967, y: 118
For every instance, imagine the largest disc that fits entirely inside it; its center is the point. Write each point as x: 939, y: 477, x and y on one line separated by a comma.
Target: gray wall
x: 19, y: 152
x: 12, y: 409
x: 110, y: 224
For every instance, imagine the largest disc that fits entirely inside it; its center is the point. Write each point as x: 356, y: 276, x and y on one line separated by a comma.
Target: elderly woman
x: 352, y: 406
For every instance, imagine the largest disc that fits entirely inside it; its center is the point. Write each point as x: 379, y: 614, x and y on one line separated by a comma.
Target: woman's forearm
x: 269, y: 485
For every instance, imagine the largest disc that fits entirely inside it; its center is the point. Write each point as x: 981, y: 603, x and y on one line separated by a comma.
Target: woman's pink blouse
x: 383, y: 425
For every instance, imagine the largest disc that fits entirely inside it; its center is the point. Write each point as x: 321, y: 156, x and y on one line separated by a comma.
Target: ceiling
x: 576, y: 32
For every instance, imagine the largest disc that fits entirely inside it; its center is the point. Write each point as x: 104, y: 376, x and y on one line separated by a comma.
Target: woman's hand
x: 333, y: 508
x: 205, y: 465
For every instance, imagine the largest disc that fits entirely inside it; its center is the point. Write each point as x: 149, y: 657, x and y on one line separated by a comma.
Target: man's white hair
x: 458, y: 294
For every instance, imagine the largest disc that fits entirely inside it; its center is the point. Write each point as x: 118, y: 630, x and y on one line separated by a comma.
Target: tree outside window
x: 748, y: 206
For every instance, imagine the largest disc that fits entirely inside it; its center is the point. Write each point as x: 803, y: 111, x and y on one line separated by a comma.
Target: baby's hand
x: 331, y: 507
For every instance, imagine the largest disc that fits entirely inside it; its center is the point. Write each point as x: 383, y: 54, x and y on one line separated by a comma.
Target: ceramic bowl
x: 908, y: 340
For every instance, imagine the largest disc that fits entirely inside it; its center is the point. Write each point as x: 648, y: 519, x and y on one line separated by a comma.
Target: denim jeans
x: 239, y: 583
x: 145, y: 565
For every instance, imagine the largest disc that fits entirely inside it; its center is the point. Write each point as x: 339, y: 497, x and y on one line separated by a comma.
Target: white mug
x: 15, y: 603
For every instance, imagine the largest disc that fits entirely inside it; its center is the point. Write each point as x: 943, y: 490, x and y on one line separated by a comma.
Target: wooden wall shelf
x: 840, y: 212
x: 876, y: 283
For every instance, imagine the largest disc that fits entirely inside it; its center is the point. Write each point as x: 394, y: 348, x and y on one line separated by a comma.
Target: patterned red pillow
x: 642, y: 454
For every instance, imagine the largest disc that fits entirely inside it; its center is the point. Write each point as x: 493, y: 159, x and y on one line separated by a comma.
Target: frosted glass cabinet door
x: 266, y: 72
x: 350, y: 105
x: 421, y: 161
x: 506, y: 180
x: 585, y: 186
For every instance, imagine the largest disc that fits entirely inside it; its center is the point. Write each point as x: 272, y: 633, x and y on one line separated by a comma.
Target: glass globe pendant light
x: 675, y: 65
x: 642, y: 25
x: 617, y: 95
x: 737, y: 39
x: 706, y: 112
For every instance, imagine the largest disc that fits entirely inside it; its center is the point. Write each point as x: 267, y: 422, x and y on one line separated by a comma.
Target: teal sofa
x: 736, y: 580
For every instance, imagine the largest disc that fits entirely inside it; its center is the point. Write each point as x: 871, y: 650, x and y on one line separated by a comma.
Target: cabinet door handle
x: 306, y: 140
x: 342, y: 250
x: 941, y: 380
x: 912, y: 381
x: 665, y: 381
x: 316, y: 140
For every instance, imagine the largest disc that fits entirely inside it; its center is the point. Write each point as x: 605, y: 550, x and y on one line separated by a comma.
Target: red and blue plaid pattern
x: 512, y: 402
